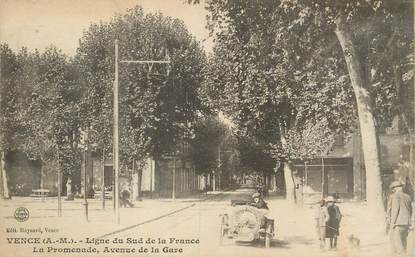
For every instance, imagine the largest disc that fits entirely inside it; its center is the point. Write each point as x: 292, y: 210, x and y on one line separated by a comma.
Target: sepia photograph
x: 207, y: 128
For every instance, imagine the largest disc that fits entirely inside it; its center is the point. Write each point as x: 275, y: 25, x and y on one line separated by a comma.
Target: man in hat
x: 258, y: 202
x: 399, y: 214
x: 333, y: 222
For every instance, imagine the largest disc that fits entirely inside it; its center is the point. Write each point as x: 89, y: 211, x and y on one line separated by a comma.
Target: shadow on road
x: 258, y: 244
x: 299, y: 240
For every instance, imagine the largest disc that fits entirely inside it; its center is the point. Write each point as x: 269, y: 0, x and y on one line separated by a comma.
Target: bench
x: 98, y: 194
x: 40, y: 193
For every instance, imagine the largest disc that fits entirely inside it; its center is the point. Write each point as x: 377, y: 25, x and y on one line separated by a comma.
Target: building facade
x: 342, y: 172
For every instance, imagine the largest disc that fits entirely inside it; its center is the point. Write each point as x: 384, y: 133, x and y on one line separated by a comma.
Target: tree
x: 9, y: 110
x: 158, y: 103
x: 254, y: 157
x: 268, y: 91
x: 52, y: 112
x: 327, y: 45
x: 208, y: 135
x: 213, y: 148
x: 368, y: 32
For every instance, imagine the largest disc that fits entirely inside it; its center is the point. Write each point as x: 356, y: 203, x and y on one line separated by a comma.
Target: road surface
x: 201, y: 222
x: 187, y: 225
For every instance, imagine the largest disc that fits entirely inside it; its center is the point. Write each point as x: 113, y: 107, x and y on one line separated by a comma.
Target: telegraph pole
x: 151, y: 179
x: 59, y: 187
x: 219, y: 169
x: 85, y: 187
x: 116, y: 139
x: 173, y: 193
x: 103, y: 178
x: 116, y: 125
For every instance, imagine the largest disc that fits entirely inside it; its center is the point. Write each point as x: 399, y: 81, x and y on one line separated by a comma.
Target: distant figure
x: 333, y: 223
x: 261, y: 189
x: 69, y: 195
x: 399, y: 214
x: 125, y: 199
x: 258, y: 202
x: 322, y: 217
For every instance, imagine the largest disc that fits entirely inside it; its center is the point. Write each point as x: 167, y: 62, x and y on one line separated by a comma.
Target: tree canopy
x: 271, y: 85
x: 158, y: 103
x: 306, y: 69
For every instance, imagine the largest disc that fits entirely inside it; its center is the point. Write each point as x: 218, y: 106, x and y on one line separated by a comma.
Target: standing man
x: 399, y: 217
x: 333, y: 222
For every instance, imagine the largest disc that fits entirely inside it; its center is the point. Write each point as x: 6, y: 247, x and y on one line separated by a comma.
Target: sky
x: 36, y: 24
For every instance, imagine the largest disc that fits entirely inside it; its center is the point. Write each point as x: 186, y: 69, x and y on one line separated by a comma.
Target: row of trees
x: 53, y: 107
x: 159, y: 104
x: 40, y: 107
x: 293, y: 74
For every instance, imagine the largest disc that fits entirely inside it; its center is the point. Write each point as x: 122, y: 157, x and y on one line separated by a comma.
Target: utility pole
x: 85, y: 187
x: 213, y: 181
x: 103, y: 178
x: 116, y: 124
x: 59, y: 187
x: 151, y: 179
x: 116, y: 139
x: 173, y: 193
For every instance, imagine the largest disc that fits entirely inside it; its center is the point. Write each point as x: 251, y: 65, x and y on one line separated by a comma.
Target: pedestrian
x: 258, y: 202
x: 399, y: 214
x: 125, y: 199
x: 322, y: 216
x: 333, y: 222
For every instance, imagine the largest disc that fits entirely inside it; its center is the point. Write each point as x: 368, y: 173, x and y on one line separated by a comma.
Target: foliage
x: 382, y: 32
x: 267, y: 89
x: 281, y: 72
x: 158, y: 103
x: 52, y: 112
x: 254, y: 158
x: 10, y: 101
x: 210, y: 136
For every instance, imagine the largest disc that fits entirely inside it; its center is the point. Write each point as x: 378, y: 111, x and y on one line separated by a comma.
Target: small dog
x: 354, y: 242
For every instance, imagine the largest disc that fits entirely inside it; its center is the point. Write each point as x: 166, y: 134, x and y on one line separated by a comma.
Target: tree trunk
x: 288, y: 173
x: 370, y: 140
x: 42, y: 175
x: 289, y: 183
x: 6, y: 194
x: 139, y: 179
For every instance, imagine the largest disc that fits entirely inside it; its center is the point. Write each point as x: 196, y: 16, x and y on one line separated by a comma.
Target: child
x: 333, y: 223
x: 321, y: 218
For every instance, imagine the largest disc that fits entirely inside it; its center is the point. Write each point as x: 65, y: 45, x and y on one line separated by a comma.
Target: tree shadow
x: 299, y: 240
x: 259, y: 243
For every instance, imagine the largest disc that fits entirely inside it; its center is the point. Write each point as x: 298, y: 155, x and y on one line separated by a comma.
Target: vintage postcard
x: 203, y: 128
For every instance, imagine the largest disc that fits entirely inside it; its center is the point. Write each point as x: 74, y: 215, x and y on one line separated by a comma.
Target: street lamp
x: 116, y: 124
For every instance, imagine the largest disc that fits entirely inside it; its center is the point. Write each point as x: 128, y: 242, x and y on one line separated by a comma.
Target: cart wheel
x: 268, y: 234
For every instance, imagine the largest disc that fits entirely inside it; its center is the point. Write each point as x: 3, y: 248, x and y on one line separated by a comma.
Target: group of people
x: 398, y: 219
x: 328, y: 222
x: 328, y: 218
